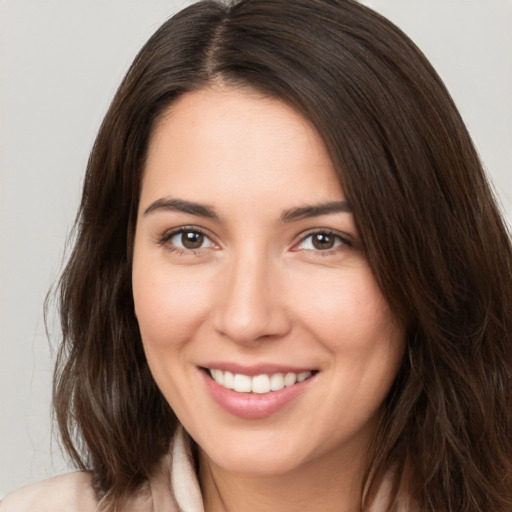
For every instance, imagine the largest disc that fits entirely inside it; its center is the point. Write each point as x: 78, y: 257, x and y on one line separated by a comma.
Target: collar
x: 174, y: 485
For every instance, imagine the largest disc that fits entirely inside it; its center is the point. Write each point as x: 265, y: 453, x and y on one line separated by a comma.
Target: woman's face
x: 248, y: 266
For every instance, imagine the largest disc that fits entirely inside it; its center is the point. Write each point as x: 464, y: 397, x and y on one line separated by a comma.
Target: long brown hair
x: 429, y: 223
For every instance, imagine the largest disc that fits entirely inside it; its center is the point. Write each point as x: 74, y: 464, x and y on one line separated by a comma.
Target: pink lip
x: 253, y: 405
x: 252, y: 370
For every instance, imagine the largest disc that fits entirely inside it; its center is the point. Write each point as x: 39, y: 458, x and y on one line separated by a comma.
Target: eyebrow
x: 305, y: 212
x: 180, y: 205
x: 202, y: 210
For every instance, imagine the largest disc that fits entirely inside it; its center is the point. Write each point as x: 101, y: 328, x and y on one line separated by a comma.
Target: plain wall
x: 60, y: 63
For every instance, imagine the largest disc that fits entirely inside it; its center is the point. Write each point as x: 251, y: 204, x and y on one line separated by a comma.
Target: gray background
x: 60, y: 62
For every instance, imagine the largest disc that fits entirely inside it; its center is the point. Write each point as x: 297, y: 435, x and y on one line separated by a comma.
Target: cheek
x: 168, y: 305
x: 346, y: 310
x: 170, y: 308
x: 351, y: 319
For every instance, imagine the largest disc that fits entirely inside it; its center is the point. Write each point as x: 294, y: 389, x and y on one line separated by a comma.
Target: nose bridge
x: 251, y: 305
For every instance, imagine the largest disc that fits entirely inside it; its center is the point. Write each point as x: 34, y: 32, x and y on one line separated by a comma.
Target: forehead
x: 219, y: 141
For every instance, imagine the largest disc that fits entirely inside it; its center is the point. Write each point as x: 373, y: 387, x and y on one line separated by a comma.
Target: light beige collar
x: 174, y: 486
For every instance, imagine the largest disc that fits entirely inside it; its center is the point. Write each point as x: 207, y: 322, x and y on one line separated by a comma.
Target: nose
x: 251, y: 304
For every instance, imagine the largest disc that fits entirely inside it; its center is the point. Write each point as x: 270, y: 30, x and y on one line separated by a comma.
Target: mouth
x: 261, y: 384
x: 259, y: 390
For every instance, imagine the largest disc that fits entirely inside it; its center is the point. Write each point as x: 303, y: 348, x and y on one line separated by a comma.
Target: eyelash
x: 344, y: 241
x: 165, y: 239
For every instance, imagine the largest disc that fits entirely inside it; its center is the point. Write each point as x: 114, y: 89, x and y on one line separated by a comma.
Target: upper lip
x: 256, y: 369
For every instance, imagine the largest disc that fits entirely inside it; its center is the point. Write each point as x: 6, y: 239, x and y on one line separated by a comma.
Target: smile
x: 260, y: 384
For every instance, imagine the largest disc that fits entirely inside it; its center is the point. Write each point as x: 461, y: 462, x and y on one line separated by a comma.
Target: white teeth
x: 242, y: 383
x: 260, y: 384
x: 277, y: 382
x: 290, y: 379
x: 229, y: 380
x: 218, y: 376
x: 303, y: 376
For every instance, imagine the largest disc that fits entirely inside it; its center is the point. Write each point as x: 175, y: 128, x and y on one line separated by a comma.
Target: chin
x: 255, y: 462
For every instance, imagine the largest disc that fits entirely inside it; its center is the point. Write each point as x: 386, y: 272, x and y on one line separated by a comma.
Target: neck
x: 324, y: 484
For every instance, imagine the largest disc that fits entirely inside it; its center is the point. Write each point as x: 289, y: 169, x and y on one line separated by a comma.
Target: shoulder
x: 65, y: 493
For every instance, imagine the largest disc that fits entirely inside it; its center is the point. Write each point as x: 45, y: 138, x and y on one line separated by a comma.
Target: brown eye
x: 192, y: 239
x: 185, y: 239
x: 323, y: 241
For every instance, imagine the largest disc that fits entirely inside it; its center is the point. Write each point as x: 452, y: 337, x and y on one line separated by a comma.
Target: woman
x: 290, y: 285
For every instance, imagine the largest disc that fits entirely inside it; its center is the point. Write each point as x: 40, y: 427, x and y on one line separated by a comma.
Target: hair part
x: 429, y: 223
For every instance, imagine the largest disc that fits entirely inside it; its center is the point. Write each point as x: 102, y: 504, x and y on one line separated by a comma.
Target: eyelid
x: 169, y: 234
x: 346, y: 239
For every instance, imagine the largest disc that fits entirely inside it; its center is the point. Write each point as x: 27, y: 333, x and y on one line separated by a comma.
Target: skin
x: 259, y: 291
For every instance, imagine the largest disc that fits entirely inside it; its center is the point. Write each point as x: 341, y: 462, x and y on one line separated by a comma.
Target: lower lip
x: 253, y: 405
